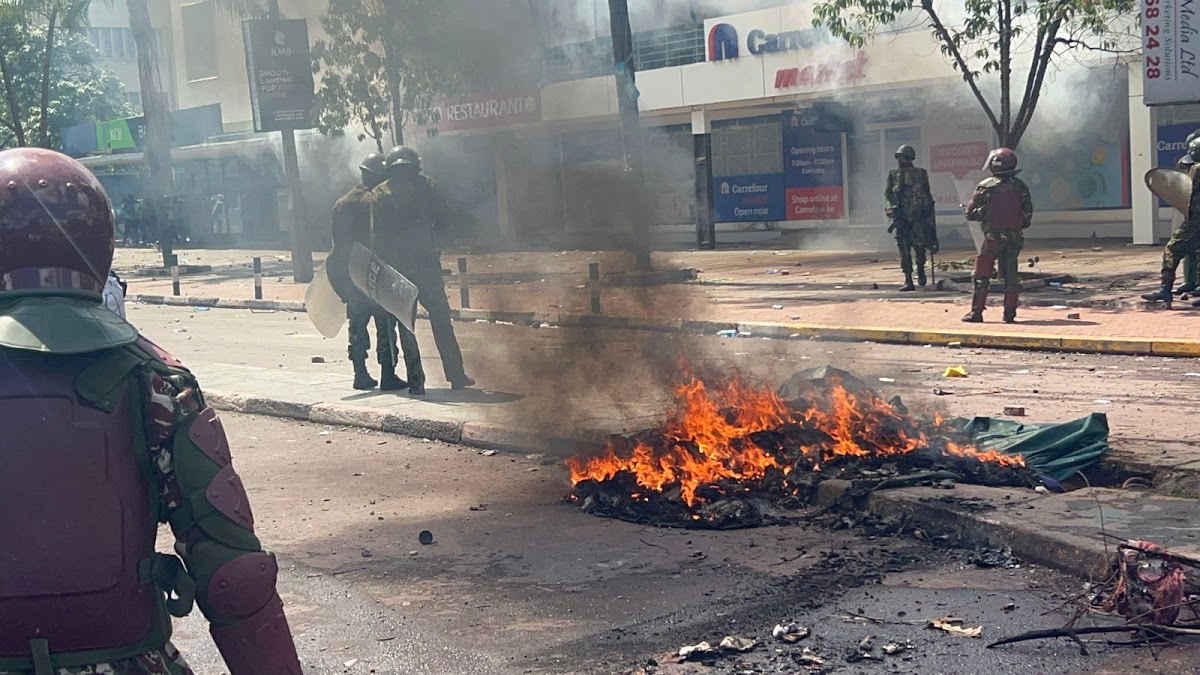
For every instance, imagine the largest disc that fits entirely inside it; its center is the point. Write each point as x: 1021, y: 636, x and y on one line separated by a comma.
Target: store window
x: 199, y: 40
x: 748, y: 148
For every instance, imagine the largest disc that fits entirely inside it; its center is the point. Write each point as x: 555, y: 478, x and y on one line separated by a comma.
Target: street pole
x: 631, y: 132
x: 302, y: 262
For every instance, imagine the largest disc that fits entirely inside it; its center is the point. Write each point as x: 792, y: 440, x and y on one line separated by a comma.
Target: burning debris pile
x: 734, y: 455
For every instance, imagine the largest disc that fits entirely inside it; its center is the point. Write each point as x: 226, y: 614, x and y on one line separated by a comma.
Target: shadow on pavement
x: 1057, y: 322
x: 469, y: 396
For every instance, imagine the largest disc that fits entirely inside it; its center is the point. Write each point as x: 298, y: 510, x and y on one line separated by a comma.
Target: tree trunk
x: 158, y: 182
x: 44, y: 122
x: 1004, y: 14
x: 10, y: 96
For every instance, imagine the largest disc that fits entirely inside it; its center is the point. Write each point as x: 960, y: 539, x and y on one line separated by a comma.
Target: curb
x: 1027, y: 342
x: 920, y: 507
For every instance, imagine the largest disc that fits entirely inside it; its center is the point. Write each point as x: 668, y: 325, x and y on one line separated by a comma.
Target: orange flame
x: 706, y: 439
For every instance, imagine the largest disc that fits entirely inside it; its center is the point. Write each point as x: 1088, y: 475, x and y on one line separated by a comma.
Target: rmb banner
x: 280, y: 73
x: 1170, y: 51
x: 812, y: 170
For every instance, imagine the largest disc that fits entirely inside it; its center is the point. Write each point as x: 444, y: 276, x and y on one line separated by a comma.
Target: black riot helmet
x: 907, y: 152
x: 402, y: 155
x: 374, y: 169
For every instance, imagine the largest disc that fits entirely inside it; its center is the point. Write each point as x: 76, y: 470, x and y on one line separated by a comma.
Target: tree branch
x: 940, y: 28
x: 10, y: 96
x: 1071, y: 43
x: 1041, y: 63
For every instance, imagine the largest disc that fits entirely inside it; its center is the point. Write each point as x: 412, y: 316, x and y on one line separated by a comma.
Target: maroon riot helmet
x: 56, y: 225
x: 1001, y: 161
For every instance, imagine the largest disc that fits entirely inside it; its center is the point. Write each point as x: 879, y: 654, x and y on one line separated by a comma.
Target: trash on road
x: 318, y: 359
x: 993, y: 558
x: 697, y: 651
x: 425, y: 537
x: 366, y: 553
x: 789, y: 632
x: 954, y: 626
x: 887, y: 380
x: 727, y: 333
x: 808, y: 659
x: 938, y: 391
x: 894, y: 648
x: 1074, y: 316
x: 1014, y: 411
x: 955, y: 371
x: 731, y: 644
x: 488, y: 453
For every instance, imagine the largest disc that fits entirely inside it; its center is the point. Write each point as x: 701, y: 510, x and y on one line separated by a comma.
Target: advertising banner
x: 1170, y: 52
x: 487, y: 110
x: 812, y: 168
x: 280, y: 72
x: 749, y: 198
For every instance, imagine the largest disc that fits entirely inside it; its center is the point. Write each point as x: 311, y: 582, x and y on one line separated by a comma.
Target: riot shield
x: 385, y: 286
x: 966, y: 189
x: 325, y: 309
x: 1172, y: 186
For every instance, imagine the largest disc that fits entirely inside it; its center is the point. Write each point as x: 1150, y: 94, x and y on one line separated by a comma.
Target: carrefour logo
x: 722, y: 42
x: 724, y: 187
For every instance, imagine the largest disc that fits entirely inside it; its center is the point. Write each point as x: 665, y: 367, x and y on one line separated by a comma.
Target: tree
x: 1000, y: 37
x: 387, y: 60
x: 79, y: 91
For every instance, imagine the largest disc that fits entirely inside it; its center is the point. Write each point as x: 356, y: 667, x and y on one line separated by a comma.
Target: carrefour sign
x: 723, y: 41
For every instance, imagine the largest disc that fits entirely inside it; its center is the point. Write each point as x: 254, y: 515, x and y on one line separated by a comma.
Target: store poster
x: 753, y: 198
x: 1079, y: 171
x: 814, y: 179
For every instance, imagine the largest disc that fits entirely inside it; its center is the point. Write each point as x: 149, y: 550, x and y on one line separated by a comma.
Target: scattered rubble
x: 789, y: 632
x: 954, y: 626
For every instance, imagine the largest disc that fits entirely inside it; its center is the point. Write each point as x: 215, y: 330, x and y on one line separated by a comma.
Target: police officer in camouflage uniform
x: 416, y: 214
x: 353, y: 222
x: 908, y: 202
x: 106, y: 436
x: 1003, y: 206
x: 1185, y: 240
x: 1190, y: 261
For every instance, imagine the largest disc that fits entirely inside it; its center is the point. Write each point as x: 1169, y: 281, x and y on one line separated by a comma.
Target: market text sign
x: 1170, y: 51
x: 827, y: 73
x: 280, y: 70
x: 481, y: 111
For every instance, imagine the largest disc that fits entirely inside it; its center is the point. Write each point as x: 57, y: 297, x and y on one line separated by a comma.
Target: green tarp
x: 1056, y: 450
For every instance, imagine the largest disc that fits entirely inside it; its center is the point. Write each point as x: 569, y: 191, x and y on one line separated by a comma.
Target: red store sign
x: 492, y: 109
x: 825, y: 73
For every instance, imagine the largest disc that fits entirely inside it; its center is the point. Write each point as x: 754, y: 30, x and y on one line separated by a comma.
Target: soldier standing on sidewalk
x: 1003, y: 206
x: 415, y: 214
x: 908, y: 202
x: 1185, y: 239
x: 353, y: 222
x: 106, y: 436
x: 1191, y: 265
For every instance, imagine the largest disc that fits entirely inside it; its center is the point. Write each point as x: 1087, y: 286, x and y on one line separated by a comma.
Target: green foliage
x: 384, y: 63
x: 996, y: 38
x: 80, y: 90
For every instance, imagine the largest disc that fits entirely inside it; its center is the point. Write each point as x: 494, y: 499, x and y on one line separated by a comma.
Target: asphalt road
x: 517, y: 581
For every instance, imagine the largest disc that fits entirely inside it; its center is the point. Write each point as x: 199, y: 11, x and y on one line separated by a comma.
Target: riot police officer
x: 1003, y: 206
x: 105, y: 436
x: 413, y: 213
x: 1185, y: 239
x: 353, y: 222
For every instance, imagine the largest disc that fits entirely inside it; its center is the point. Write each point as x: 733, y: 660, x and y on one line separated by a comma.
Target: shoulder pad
x: 159, y: 354
x: 384, y: 189
x: 989, y: 182
x: 431, y: 183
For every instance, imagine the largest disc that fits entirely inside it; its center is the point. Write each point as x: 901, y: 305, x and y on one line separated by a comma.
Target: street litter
x: 789, y: 632
x: 894, y: 648
x: 425, y: 537
x: 1014, y: 411
x: 737, y: 644
x: 887, y: 380
x: 955, y: 371
x: 1074, y: 316
x: 488, y: 453
x: 318, y: 359
x: 697, y: 651
x: 996, y: 558
x: 200, y: 309
x: 954, y: 626
x: 776, y: 306
x: 727, y: 333
x: 808, y: 659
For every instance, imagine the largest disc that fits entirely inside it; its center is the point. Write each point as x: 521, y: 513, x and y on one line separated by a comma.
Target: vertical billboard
x: 812, y: 168
x: 280, y: 73
x: 1170, y: 52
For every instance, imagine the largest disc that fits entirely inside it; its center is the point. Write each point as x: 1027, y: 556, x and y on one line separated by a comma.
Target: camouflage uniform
x: 1185, y: 240
x: 909, y: 203
x: 416, y: 213
x: 1003, y: 241
x: 165, y: 661
x: 352, y: 222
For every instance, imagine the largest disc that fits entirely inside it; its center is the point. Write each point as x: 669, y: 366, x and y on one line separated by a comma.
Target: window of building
x: 200, y: 40
x: 134, y: 98
x: 748, y: 148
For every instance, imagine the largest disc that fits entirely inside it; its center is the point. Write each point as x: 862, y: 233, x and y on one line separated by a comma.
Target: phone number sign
x: 1170, y: 52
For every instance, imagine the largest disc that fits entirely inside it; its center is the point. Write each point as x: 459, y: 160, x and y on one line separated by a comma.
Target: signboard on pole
x: 280, y: 73
x: 1170, y: 52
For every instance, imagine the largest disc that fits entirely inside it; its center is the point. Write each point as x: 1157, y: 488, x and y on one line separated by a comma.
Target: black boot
x: 362, y: 379
x: 978, y: 304
x: 908, y: 284
x: 1163, y: 295
x: 1011, y: 299
x: 390, y: 381
x: 921, y: 276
